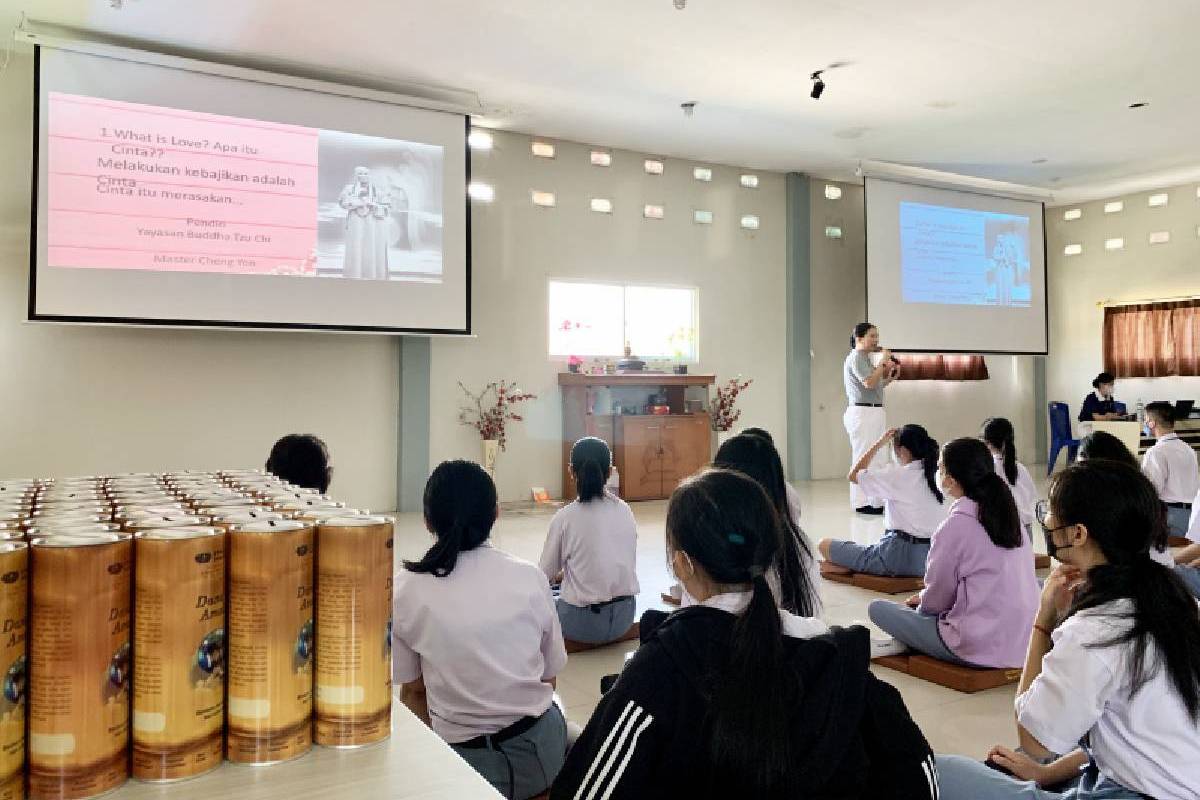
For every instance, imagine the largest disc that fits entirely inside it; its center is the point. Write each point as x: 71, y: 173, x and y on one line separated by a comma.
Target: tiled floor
x: 953, y: 722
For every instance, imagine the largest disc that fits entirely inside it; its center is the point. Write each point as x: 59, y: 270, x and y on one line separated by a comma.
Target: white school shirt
x: 1147, y: 742
x: 594, y: 546
x: 908, y: 504
x: 1193, y: 532
x: 796, y: 627
x: 485, y: 638
x: 1023, y: 491
x: 1171, y: 466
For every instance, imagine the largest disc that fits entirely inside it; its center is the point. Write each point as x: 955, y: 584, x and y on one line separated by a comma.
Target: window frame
x: 693, y: 359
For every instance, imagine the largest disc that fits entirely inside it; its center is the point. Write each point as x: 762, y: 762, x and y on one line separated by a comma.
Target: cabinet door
x: 639, y: 458
x: 686, y: 448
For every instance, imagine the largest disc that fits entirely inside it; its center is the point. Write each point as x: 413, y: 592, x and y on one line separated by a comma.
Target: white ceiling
x: 970, y: 86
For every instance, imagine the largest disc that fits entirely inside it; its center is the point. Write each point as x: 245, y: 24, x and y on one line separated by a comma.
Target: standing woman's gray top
x: 857, y: 369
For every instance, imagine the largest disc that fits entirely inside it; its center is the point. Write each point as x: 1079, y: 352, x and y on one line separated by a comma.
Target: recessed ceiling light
x: 1114, y: 244
x: 1114, y: 206
x: 481, y: 192
x: 1160, y: 237
x: 652, y: 211
x: 1140, y: 104
x: 601, y: 205
x: 833, y: 232
x: 1072, y: 250
x: 542, y: 149
x: 1072, y: 213
x: 543, y: 199
x: 653, y: 166
x: 702, y: 173
x: 601, y: 158
x: 1158, y: 200
x: 702, y: 217
x: 479, y: 139
x: 750, y: 181
x: 833, y: 192
x: 750, y: 222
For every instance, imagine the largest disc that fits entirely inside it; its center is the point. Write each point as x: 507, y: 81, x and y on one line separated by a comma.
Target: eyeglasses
x: 1041, y: 512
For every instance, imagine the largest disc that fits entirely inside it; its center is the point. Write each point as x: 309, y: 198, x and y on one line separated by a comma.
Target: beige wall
x: 86, y: 400
x: 947, y: 409
x: 1139, y: 271
x: 518, y: 247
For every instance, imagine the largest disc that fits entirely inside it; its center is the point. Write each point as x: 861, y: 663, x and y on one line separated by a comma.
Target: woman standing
x: 864, y: 419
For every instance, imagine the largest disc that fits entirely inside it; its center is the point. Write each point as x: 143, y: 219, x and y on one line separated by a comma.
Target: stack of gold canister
x: 155, y: 625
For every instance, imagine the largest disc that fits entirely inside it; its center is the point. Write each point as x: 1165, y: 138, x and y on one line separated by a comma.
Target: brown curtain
x: 1152, y: 340
x: 942, y: 368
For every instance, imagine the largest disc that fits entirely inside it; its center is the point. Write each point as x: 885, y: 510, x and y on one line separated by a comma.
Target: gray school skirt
x: 524, y: 765
x: 598, y: 624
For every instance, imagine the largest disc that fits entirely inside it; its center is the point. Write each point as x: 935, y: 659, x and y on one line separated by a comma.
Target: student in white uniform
x: 476, y: 643
x: 999, y: 436
x: 865, y: 419
x: 592, y: 549
x: 1114, y: 657
x: 912, y: 508
x: 794, y: 575
x: 1104, y: 446
x: 1171, y: 466
x: 1187, y: 560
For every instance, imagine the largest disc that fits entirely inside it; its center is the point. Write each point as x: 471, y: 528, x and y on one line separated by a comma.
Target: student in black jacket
x: 734, y: 698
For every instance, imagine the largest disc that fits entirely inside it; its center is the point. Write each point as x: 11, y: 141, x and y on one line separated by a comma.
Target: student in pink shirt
x: 980, y: 593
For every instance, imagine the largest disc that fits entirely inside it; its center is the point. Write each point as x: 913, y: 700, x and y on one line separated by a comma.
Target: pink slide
x: 135, y: 186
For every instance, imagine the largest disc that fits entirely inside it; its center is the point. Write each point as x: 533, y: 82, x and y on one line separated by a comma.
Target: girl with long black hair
x: 980, y: 589
x: 476, y: 642
x: 592, y: 549
x: 1114, y: 658
x: 735, y: 697
x: 793, y: 575
x: 1001, y: 438
x: 912, y: 508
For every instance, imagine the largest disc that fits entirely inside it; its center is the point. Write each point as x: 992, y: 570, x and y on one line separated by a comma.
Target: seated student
x: 1187, y: 560
x: 1171, y: 466
x: 1100, y: 405
x: 1114, y: 658
x: 980, y: 589
x: 757, y: 458
x: 476, y: 643
x: 999, y: 436
x: 912, y: 508
x: 302, y: 460
x: 592, y: 545
x: 736, y: 698
x: 1102, y: 444
x: 793, y: 496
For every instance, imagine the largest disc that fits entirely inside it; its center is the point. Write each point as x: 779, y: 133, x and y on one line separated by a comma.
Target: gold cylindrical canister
x: 14, y: 607
x: 140, y: 524
x: 179, y: 640
x: 354, y: 644
x: 270, y: 628
x: 79, y: 665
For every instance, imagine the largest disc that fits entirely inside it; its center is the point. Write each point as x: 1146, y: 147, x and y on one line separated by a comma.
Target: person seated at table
x: 980, y: 588
x: 757, y: 458
x: 793, y: 496
x: 301, y: 459
x: 737, y: 698
x: 1100, y: 405
x: 476, y: 642
x: 1001, y: 439
x: 1171, y: 466
x: 912, y: 508
x: 1114, y: 659
x: 592, y: 550
x: 1102, y: 444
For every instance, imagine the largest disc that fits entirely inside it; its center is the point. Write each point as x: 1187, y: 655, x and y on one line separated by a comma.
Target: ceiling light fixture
x: 680, y: 5
x: 1139, y: 104
x: 689, y: 108
x: 818, y: 85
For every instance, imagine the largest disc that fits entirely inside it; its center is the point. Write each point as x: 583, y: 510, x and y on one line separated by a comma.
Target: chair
x: 1060, y: 435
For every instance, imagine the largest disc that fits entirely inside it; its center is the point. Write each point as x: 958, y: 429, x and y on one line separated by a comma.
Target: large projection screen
x: 952, y: 271
x: 165, y: 194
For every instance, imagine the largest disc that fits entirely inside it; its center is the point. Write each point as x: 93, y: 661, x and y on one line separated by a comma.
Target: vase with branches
x: 490, y: 410
x: 724, y: 412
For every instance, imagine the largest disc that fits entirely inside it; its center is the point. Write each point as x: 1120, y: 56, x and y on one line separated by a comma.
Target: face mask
x: 1053, y: 549
x: 940, y: 479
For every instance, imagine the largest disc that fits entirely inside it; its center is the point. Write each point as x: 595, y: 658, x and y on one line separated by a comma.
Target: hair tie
x: 735, y: 538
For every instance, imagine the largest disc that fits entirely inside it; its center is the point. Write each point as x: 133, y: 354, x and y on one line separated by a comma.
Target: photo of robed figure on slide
x: 1007, y: 243
x: 379, y: 208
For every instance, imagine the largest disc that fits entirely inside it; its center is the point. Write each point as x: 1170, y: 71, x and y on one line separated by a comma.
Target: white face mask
x: 940, y: 479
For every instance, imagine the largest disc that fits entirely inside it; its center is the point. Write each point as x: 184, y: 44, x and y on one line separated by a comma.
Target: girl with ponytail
x: 476, y: 643
x: 1114, y: 657
x: 912, y: 508
x: 980, y: 589
x: 592, y: 550
x: 734, y: 697
x: 999, y: 436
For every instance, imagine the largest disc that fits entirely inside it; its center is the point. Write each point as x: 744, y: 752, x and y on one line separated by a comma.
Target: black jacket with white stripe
x: 853, y: 735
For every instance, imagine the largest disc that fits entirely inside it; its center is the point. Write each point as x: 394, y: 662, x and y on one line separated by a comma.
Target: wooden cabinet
x: 652, y: 453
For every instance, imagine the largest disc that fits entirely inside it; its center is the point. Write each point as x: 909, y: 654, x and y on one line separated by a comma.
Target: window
x: 597, y: 319
x: 1151, y: 340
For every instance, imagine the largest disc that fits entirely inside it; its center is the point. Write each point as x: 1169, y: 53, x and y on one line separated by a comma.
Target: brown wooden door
x: 640, y: 457
x: 686, y: 448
